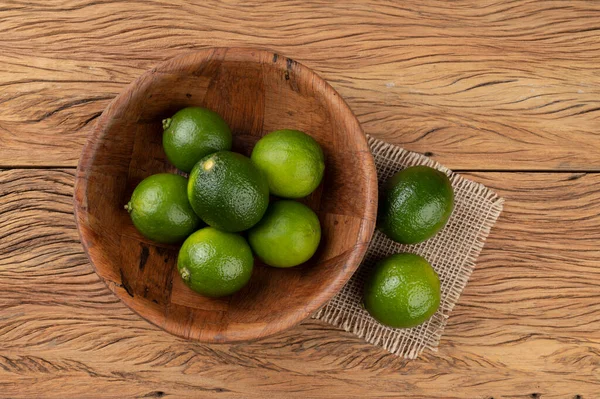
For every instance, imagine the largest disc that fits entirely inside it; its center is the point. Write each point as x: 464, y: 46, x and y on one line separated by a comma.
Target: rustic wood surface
x: 506, y: 91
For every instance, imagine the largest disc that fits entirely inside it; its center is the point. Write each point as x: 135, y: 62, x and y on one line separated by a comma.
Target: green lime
x: 215, y: 263
x: 228, y: 192
x: 415, y: 204
x: 292, y: 161
x: 160, y: 210
x: 402, y: 291
x: 287, y: 235
x: 191, y: 134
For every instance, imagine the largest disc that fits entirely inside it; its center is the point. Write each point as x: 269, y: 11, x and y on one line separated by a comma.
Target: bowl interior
x: 256, y: 92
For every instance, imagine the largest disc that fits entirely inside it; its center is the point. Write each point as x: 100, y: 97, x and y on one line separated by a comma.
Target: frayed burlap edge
x: 479, y: 209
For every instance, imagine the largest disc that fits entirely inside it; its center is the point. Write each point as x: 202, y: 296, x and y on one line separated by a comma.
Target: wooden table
x: 507, y: 92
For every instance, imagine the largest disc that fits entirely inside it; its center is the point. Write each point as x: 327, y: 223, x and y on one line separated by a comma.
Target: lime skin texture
x: 292, y: 161
x: 288, y: 234
x: 402, y: 291
x: 160, y: 210
x: 215, y: 263
x: 191, y: 134
x: 415, y: 204
x: 228, y: 192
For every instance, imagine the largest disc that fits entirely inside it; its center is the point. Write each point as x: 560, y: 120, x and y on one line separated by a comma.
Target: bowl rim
x: 291, y: 319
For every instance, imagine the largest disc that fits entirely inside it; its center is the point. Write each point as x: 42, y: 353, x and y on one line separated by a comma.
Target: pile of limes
x: 403, y: 290
x: 230, y: 193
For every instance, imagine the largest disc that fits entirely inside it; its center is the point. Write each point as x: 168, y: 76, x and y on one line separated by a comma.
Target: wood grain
x: 476, y: 84
x: 526, y: 326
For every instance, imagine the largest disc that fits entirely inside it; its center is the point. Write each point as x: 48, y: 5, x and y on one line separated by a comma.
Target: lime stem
x: 185, y: 274
x: 166, y: 123
x: 128, y: 207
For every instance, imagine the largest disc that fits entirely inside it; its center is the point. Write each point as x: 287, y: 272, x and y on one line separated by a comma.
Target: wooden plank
x: 479, y: 85
x: 526, y: 326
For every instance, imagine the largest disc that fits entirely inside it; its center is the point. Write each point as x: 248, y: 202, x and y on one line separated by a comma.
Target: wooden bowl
x: 256, y: 92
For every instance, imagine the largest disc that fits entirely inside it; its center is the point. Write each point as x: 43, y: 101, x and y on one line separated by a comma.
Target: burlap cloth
x: 452, y: 253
